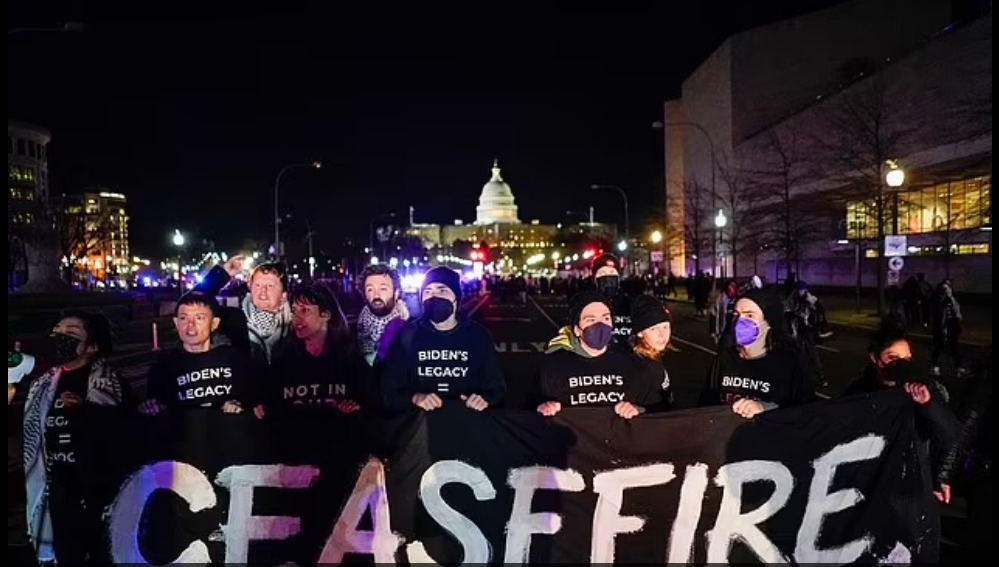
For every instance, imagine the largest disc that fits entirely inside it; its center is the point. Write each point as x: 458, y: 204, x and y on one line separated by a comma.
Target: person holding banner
x: 653, y: 330
x: 320, y: 367
x: 68, y: 432
x: 199, y: 373
x: 589, y: 372
x: 764, y: 369
x: 439, y: 357
x: 889, y: 366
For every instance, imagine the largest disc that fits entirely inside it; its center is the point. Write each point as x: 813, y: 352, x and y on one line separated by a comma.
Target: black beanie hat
x: 769, y: 303
x: 604, y: 260
x: 443, y: 275
x: 581, y: 300
x: 647, y: 311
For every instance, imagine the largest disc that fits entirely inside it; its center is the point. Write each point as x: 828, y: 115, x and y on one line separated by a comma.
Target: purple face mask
x: 746, y: 331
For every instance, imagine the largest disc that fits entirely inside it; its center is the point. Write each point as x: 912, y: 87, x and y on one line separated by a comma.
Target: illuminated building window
x: 955, y: 205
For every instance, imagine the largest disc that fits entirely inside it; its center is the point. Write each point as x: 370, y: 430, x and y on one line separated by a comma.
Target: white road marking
x: 826, y: 348
x: 694, y: 345
x: 544, y: 313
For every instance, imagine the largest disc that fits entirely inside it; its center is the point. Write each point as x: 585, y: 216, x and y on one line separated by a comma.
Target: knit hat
x: 581, y: 300
x: 603, y: 260
x: 443, y: 275
x: 769, y: 304
x: 646, y: 312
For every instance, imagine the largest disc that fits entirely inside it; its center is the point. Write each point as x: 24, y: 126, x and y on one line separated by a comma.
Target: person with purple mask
x: 763, y: 369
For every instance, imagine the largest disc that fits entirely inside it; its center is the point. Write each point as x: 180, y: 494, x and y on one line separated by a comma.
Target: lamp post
x: 178, y: 241
x: 656, y: 238
x: 711, y: 148
x: 627, y: 222
x: 277, y: 210
x: 894, y: 179
x: 720, y: 221
x: 371, y: 230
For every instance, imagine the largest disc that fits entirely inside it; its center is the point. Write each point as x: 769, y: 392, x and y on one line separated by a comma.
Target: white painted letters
x: 126, y: 512
x: 474, y: 543
x: 688, y: 514
x: 821, y: 503
x: 369, y: 493
x: 731, y: 524
x: 607, y: 518
x: 242, y: 525
x: 523, y: 523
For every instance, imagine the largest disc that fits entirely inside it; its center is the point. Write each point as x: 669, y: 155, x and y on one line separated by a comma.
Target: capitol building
x: 497, y: 225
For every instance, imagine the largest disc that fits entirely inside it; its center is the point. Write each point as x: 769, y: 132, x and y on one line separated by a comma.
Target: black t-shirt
x: 605, y: 380
x: 777, y: 377
x: 656, y: 382
x: 461, y: 361
x: 184, y: 379
x: 299, y: 380
x: 62, y: 422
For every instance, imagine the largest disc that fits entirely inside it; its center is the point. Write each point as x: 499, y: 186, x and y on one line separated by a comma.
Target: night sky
x: 191, y: 113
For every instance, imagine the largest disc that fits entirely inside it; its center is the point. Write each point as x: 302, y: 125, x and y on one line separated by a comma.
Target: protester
x: 440, y: 356
x: 67, y: 455
x: 587, y: 372
x: 889, y: 366
x: 383, y: 314
x: 653, y: 326
x: 763, y: 369
x: 947, y: 329
x: 969, y: 461
x: 265, y: 314
x: 198, y: 373
x: 321, y: 366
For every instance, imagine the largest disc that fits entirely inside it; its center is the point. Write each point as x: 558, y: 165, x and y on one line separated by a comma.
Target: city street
x: 521, y: 332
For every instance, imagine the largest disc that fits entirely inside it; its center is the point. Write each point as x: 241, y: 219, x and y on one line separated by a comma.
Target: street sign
x: 893, y: 277
x: 895, y: 245
x: 657, y: 255
x: 896, y: 263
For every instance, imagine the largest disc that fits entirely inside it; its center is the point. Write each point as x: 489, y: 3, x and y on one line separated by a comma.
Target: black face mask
x: 900, y: 372
x: 608, y: 284
x: 438, y: 309
x: 62, y: 348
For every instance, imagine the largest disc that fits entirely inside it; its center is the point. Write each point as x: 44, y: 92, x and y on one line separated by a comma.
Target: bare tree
x: 695, y: 216
x: 864, y: 136
x: 80, y: 237
x: 787, y: 224
x: 736, y: 197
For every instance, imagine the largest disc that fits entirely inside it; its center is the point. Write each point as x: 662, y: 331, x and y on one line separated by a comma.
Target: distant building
x: 498, y: 226
x: 922, y: 69
x: 27, y: 186
x: 95, y: 230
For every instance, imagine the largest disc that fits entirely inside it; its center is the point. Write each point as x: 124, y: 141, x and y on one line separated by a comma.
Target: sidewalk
x: 842, y: 311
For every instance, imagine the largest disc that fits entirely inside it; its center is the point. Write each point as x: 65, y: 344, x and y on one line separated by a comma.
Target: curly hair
x: 379, y: 270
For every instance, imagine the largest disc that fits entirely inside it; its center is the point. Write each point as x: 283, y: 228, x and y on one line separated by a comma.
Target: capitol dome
x: 496, y: 203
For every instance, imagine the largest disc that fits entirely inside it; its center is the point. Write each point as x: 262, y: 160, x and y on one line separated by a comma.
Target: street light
x: 720, y: 221
x: 371, y: 230
x: 178, y: 241
x: 656, y: 237
x: 895, y: 176
x: 72, y: 27
x: 277, y: 211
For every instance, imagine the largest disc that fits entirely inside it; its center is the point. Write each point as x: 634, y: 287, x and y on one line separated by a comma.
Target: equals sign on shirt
x: 64, y: 438
x: 443, y: 387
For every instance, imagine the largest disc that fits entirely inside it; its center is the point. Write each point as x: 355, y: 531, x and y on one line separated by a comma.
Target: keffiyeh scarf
x: 371, y: 327
x: 103, y: 389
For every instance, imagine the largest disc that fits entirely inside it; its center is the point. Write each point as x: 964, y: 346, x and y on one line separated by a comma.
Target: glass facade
x: 954, y: 205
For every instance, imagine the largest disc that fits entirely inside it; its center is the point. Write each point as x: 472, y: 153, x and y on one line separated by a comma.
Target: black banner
x: 833, y: 482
